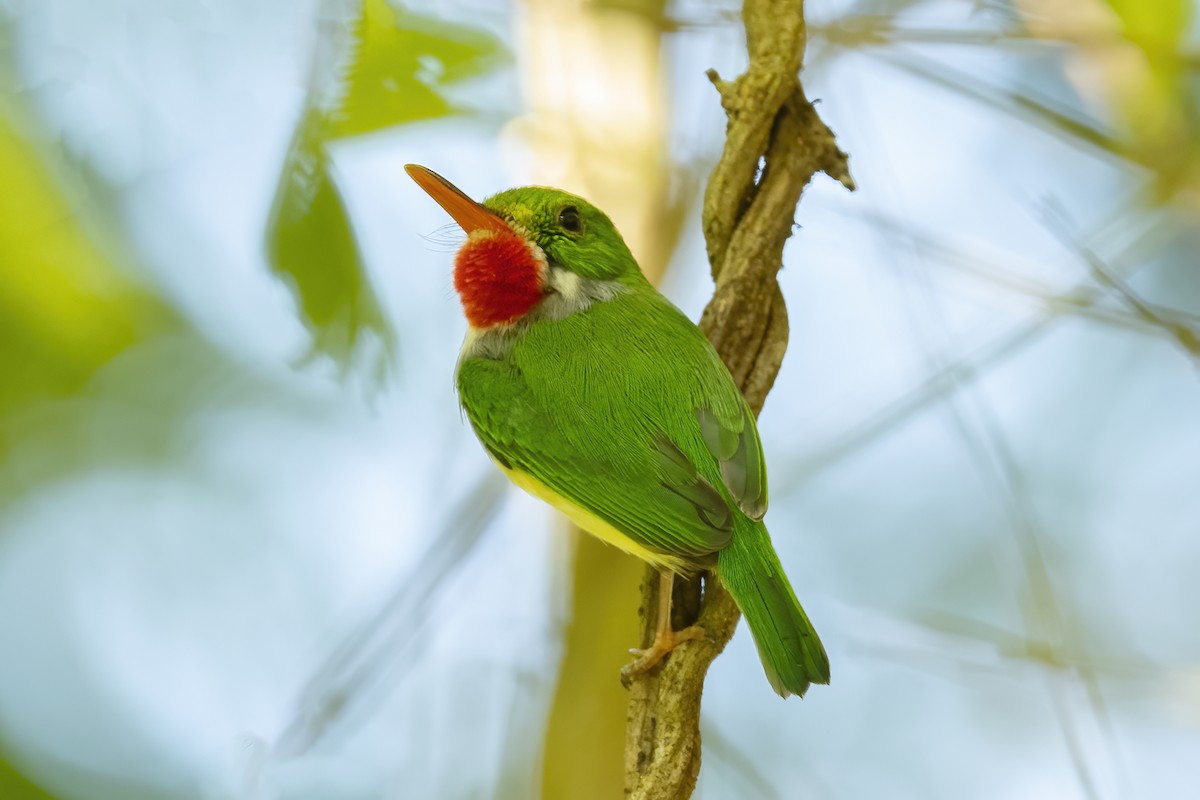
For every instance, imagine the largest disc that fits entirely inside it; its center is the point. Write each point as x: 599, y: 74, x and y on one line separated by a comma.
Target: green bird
x: 591, y: 391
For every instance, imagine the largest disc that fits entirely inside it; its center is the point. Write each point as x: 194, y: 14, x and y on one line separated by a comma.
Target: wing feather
x: 739, y: 453
x: 646, y: 432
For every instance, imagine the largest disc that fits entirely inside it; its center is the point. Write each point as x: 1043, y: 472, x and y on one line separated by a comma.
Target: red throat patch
x: 498, y: 278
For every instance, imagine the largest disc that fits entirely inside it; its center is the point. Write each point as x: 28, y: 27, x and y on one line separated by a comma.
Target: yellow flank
x: 589, y: 521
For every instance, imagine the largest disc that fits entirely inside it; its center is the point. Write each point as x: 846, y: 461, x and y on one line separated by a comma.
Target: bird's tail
x: 791, y: 654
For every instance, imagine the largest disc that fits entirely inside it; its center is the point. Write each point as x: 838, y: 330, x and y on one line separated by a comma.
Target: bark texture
x: 775, y: 144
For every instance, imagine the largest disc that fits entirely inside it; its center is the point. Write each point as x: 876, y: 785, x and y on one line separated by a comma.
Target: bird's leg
x: 665, y: 638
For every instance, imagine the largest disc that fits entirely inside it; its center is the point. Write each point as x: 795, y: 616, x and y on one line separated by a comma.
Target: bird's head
x: 528, y: 248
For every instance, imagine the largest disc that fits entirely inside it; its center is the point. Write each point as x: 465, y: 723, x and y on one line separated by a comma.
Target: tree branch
x: 748, y: 217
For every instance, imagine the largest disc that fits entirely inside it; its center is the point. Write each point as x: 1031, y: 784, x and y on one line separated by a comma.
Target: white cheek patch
x: 571, y: 293
x: 567, y: 284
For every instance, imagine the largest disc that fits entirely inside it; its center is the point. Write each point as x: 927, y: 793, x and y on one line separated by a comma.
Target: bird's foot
x: 664, y: 642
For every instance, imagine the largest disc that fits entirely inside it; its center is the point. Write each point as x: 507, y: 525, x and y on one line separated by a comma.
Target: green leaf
x: 15, y: 786
x: 66, y: 308
x: 1159, y: 25
x: 312, y: 247
x: 1153, y: 94
x: 388, y: 73
x: 398, y: 62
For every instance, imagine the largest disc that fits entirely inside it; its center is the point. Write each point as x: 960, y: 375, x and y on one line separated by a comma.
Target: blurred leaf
x: 312, y: 247
x: 384, y: 69
x: 399, y: 59
x: 65, y: 307
x: 1127, y: 57
x: 1153, y: 96
x: 1157, y: 25
x: 14, y: 786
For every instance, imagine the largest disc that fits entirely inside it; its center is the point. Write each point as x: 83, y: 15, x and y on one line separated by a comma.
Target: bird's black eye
x: 569, y: 220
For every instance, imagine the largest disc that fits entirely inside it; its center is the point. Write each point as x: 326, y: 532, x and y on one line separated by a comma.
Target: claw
x: 665, y: 639
x: 664, y: 643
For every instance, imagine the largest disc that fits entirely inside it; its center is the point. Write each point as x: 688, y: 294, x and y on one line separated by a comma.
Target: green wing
x: 644, y: 429
x: 739, y: 453
x: 645, y: 487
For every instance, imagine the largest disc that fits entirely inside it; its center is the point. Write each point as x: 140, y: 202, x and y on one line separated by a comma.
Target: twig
x: 1185, y: 336
x: 748, y: 216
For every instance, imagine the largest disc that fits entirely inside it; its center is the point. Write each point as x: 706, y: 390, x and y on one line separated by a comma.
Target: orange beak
x: 465, y: 211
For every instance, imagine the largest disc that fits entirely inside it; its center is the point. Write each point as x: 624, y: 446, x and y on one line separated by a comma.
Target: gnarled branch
x: 775, y: 144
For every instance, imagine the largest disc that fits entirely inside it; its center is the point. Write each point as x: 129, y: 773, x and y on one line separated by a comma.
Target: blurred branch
x: 775, y: 144
x: 1168, y: 154
x: 947, y: 641
x: 1026, y: 105
x: 1153, y: 319
x: 878, y: 30
x: 990, y: 450
x: 751, y: 782
x: 990, y: 446
x: 343, y: 684
x: 935, y: 386
x: 1182, y: 334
